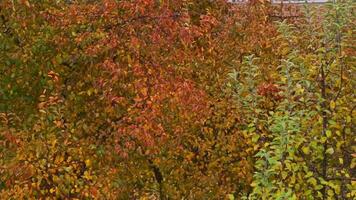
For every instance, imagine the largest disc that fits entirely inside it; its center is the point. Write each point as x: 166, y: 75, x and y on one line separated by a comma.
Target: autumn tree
x: 120, y: 103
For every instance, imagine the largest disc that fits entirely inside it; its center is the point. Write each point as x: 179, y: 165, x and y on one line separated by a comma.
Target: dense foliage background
x: 176, y: 99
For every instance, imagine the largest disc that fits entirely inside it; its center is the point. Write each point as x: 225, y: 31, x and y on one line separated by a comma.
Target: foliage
x: 193, y: 99
x: 306, y: 143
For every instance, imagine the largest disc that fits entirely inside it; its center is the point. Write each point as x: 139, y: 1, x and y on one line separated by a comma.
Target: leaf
x: 231, y: 196
x: 88, y: 162
x: 348, y: 119
x: 341, y: 161
x: 87, y: 175
x: 328, y: 133
x: 330, y: 151
x: 332, y: 105
x: 255, y: 138
x: 312, y: 181
x: 306, y: 150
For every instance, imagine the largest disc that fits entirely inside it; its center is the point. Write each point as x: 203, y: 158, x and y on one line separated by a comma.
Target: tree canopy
x: 176, y: 99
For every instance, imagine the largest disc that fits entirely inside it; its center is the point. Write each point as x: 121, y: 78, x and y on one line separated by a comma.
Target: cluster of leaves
x: 151, y: 99
x: 303, y: 122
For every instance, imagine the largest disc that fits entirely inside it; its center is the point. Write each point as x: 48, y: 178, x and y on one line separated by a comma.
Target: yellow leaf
x: 59, y: 159
x: 253, y: 184
x: 87, y: 175
x: 88, y: 162
x: 284, y: 80
x: 285, y: 51
x: 292, y: 180
x: 332, y: 105
x: 52, y: 190
x: 284, y: 174
x: 89, y: 92
x: 348, y: 119
x: 56, y: 179
x: 306, y: 150
x: 312, y: 181
x: 231, y: 196
x: 328, y: 133
x: 330, y: 193
x: 54, y: 142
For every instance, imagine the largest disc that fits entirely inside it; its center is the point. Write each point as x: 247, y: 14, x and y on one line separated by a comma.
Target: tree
x: 305, y: 139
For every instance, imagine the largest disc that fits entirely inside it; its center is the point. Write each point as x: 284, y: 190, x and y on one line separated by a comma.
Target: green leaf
x: 306, y: 150
x: 328, y: 133
x: 330, y: 151
x: 231, y: 197
x: 255, y: 138
x: 312, y: 181
x: 332, y: 105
